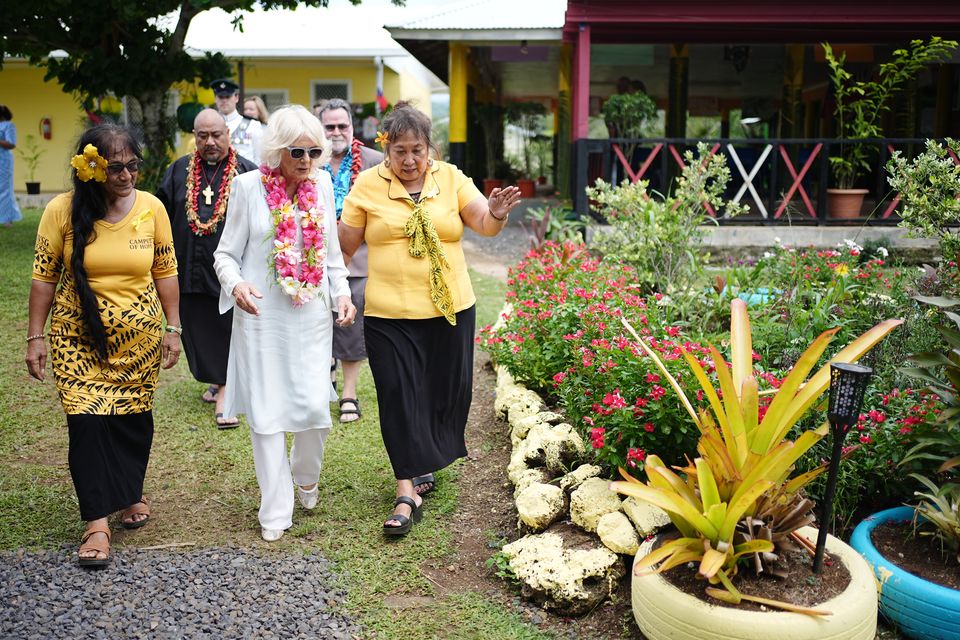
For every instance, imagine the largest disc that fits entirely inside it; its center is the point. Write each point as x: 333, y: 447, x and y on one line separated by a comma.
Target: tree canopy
x: 133, y: 49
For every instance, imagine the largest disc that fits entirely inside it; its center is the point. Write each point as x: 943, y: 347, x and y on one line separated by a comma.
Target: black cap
x: 224, y: 87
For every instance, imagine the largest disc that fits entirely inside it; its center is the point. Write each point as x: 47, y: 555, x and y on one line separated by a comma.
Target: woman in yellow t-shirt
x: 419, y: 314
x: 104, y: 262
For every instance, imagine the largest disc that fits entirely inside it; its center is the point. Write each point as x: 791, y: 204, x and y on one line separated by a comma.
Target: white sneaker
x: 271, y: 535
x: 308, y: 498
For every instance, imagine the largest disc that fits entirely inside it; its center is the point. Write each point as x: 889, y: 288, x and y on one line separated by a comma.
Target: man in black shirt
x: 195, y: 191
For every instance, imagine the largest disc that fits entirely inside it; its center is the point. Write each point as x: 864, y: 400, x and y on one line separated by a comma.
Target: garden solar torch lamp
x: 847, y: 384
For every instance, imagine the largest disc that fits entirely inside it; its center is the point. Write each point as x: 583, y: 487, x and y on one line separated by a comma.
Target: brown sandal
x: 140, y: 508
x: 88, y: 545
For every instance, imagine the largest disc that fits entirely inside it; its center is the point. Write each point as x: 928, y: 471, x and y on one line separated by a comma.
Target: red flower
x: 648, y: 427
x: 596, y: 437
x: 635, y: 455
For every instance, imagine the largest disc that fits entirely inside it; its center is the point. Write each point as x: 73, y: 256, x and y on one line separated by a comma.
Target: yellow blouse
x: 398, y: 285
x: 122, y: 262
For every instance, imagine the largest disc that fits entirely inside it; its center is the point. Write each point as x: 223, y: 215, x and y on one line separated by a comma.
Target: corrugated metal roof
x: 490, y: 14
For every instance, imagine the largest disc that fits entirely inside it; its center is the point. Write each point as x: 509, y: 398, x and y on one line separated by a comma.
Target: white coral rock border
x: 548, y: 462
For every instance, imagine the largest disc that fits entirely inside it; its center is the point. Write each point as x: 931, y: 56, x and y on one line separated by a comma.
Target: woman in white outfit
x: 279, y: 261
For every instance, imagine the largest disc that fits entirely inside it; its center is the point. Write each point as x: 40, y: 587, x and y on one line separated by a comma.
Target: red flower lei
x: 192, y: 204
x: 355, y: 160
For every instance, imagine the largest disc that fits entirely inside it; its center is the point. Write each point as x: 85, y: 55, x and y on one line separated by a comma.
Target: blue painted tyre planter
x: 920, y: 608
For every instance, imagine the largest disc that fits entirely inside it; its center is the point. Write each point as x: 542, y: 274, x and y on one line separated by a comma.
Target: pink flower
x: 648, y: 427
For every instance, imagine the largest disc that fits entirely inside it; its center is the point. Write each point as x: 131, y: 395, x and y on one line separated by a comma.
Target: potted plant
x: 30, y: 152
x: 735, y: 504
x: 922, y: 608
x: 625, y: 115
x: 859, y: 105
x: 527, y: 117
x: 488, y: 115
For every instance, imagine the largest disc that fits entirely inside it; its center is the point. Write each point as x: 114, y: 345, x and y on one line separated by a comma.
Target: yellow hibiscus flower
x: 90, y: 165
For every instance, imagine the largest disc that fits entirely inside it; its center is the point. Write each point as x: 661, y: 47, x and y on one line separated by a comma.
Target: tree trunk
x: 158, y: 129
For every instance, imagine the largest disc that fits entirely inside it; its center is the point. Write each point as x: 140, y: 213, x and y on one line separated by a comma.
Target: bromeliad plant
x: 735, y: 503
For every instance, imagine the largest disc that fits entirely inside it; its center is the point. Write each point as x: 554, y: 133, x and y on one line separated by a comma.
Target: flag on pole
x: 381, y: 101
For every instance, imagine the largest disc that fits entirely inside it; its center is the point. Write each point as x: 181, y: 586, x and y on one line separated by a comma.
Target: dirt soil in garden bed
x: 919, y: 555
x: 486, y: 518
x: 800, y: 587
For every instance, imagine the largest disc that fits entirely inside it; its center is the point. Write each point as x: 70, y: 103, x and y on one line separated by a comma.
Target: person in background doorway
x: 253, y: 107
x: 349, y: 158
x: 195, y: 191
x: 9, y: 210
x: 244, y: 132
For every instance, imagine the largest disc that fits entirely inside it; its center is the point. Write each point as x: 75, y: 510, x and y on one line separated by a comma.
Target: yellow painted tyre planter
x: 663, y: 612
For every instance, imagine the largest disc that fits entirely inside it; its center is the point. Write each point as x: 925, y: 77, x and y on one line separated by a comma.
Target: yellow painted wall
x: 296, y: 77
x: 30, y: 98
x: 415, y: 91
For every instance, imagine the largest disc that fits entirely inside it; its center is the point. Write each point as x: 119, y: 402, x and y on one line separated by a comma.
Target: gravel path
x: 211, y: 593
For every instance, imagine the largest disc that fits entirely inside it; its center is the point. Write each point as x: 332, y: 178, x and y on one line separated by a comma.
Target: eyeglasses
x: 116, y: 168
x: 334, y: 127
x: 297, y: 152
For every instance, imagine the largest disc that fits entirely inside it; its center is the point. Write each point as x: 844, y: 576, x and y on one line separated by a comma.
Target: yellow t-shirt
x: 121, y: 262
x: 398, y: 285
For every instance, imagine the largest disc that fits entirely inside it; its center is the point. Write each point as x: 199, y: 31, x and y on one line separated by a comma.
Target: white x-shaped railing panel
x: 748, y: 178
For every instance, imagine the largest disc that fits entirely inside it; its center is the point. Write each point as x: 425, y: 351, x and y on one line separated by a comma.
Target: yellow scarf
x: 424, y: 239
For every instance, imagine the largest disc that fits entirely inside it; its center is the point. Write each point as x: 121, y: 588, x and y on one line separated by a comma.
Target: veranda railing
x: 781, y: 180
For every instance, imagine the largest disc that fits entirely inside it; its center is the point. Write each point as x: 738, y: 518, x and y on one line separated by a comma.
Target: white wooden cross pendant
x: 208, y: 194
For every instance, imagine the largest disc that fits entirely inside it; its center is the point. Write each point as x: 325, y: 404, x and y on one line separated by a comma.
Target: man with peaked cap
x: 244, y: 132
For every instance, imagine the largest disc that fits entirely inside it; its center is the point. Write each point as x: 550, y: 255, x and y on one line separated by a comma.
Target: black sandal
x: 405, y: 523
x: 426, y: 479
x: 350, y: 412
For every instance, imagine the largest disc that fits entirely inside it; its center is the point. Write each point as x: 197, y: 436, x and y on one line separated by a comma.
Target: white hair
x: 286, y: 125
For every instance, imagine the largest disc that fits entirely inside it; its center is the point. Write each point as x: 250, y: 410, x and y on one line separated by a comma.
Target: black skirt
x: 108, y: 459
x: 206, y: 337
x: 423, y: 371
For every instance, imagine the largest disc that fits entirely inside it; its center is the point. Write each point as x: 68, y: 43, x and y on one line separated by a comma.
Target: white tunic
x: 246, y: 142
x: 278, y: 372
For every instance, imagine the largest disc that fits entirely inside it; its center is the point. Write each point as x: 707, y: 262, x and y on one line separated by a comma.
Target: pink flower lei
x: 299, y: 272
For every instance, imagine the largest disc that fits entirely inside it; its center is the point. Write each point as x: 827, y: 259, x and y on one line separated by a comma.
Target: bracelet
x: 171, y: 328
x: 496, y: 218
x: 36, y: 336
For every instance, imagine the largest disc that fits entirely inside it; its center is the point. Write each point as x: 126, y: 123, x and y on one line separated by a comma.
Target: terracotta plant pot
x: 845, y: 204
x: 919, y: 608
x: 527, y: 188
x: 489, y: 184
x: 33, y: 188
x: 664, y: 612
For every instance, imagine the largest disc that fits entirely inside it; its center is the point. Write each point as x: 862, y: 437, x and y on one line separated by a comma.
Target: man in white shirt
x: 244, y: 132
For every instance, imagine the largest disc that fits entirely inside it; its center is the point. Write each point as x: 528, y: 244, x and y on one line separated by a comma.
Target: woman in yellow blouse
x: 419, y: 315
x: 104, y: 263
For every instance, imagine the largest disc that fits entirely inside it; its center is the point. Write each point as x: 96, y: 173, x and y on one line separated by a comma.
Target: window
x: 326, y: 89
x: 273, y: 98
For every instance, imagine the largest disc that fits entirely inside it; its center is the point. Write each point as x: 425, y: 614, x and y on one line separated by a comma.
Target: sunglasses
x: 297, y: 152
x: 116, y: 168
x: 335, y: 127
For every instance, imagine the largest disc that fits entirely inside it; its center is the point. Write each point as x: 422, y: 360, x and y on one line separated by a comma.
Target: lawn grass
x: 204, y: 491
